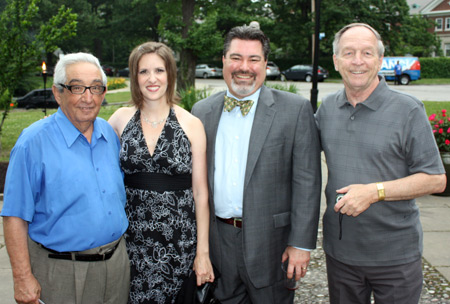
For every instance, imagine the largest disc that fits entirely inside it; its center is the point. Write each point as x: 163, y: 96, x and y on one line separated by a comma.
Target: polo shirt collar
x: 374, y: 101
x: 71, y: 133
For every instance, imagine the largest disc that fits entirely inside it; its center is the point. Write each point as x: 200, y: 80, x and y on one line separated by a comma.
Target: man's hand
x: 357, y: 199
x: 298, y: 260
x: 27, y: 290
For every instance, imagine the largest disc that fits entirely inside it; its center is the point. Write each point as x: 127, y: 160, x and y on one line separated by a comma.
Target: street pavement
x: 422, y: 92
x: 435, y: 217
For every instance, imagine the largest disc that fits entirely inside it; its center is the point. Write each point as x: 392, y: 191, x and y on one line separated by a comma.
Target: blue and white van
x: 410, y: 68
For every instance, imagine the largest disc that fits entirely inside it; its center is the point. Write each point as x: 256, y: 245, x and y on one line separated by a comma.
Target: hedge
x: 435, y: 67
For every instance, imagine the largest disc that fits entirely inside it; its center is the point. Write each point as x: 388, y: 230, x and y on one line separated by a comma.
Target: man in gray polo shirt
x: 381, y: 154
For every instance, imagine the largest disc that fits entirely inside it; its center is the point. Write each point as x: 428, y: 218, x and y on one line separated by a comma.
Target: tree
x: 20, y: 47
x: 188, y: 30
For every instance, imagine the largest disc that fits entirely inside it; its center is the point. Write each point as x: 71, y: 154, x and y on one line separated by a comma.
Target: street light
x: 44, y: 75
x: 314, y: 90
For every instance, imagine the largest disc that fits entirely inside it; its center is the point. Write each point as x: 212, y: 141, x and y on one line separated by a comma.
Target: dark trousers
x: 397, y: 79
x: 399, y: 284
x: 234, y: 285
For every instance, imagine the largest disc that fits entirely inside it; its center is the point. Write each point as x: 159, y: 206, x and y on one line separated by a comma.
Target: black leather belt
x: 236, y: 222
x: 76, y: 256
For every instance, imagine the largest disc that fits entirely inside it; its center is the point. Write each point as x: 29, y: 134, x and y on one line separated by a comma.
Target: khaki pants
x: 77, y: 282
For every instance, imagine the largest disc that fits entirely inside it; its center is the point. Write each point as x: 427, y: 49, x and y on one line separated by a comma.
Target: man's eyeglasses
x: 79, y: 89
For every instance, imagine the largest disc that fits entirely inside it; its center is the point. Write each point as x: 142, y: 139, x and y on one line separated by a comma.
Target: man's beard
x: 243, y: 89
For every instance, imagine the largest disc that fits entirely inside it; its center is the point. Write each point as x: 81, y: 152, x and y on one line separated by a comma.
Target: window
x: 447, y: 50
x: 438, y: 24
x: 447, y: 24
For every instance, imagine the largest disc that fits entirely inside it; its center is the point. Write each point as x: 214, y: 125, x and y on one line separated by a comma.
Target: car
x: 123, y: 72
x: 109, y: 70
x: 207, y: 71
x: 272, y: 71
x: 37, y: 99
x: 303, y: 72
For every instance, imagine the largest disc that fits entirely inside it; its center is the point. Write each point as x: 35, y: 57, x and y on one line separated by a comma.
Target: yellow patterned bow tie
x: 230, y: 103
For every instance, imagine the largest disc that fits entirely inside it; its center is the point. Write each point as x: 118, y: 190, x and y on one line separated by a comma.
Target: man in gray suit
x: 264, y: 176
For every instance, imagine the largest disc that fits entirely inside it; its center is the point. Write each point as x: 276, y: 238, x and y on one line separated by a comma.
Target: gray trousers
x: 77, y: 282
x: 234, y: 285
x: 399, y: 284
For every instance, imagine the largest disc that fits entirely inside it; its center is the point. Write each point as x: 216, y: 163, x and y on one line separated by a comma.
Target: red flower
x: 440, y: 124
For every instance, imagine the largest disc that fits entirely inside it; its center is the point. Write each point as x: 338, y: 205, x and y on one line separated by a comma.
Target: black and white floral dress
x: 161, y: 237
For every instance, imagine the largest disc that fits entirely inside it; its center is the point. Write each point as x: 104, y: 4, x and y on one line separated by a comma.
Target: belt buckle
x: 235, y: 220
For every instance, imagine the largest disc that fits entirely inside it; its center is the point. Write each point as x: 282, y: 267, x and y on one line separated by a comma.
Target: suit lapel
x: 264, y: 116
x: 212, y: 119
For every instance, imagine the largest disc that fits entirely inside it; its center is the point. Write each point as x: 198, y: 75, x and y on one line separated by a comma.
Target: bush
x: 116, y: 83
x: 190, y: 96
x: 291, y: 88
x: 434, y: 67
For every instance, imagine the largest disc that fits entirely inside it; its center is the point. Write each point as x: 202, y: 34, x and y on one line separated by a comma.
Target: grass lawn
x: 19, y: 119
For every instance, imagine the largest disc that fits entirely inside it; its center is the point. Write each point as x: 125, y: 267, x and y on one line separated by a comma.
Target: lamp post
x: 44, y: 75
x: 314, y: 90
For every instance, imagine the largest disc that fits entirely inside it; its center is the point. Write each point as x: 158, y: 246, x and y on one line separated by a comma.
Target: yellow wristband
x: 381, y: 195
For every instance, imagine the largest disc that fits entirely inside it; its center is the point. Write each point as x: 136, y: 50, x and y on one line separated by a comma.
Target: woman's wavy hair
x: 166, y: 54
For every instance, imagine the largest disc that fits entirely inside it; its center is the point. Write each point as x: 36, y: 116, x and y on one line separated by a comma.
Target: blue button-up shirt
x: 232, y: 140
x: 70, y: 191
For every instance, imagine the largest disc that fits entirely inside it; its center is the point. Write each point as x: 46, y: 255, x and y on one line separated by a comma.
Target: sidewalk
x: 435, y: 217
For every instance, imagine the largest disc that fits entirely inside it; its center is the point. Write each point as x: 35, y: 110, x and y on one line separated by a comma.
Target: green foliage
x: 190, y: 96
x: 435, y: 67
x: 291, y: 88
x: 20, y: 46
x: 60, y: 27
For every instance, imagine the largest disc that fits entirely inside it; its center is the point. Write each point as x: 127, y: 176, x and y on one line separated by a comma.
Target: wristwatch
x: 381, y: 195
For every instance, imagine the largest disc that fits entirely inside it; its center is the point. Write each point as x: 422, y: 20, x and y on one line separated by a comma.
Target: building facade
x: 439, y: 12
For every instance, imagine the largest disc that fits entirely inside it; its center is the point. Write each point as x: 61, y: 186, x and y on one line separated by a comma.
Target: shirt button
x: 103, y: 191
x: 352, y: 118
x: 234, y: 184
x: 98, y: 169
x: 236, y: 137
x: 109, y: 212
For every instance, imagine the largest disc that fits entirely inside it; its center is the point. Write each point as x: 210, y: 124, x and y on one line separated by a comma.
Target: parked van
x: 410, y: 68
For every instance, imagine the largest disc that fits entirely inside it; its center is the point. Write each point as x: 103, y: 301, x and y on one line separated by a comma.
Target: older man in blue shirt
x: 64, y: 198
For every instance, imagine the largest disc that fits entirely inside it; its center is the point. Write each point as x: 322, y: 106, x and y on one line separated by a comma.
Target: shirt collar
x: 373, y: 102
x: 71, y: 133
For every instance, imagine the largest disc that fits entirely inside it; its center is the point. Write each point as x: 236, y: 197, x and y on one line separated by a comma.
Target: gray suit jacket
x: 282, y: 181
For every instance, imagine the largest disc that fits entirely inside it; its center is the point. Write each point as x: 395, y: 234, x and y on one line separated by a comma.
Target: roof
x: 415, y: 6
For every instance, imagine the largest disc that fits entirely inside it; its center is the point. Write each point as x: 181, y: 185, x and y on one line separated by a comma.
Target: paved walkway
x: 435, y: 217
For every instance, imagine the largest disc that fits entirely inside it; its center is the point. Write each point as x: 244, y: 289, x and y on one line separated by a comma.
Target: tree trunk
x: 188, y: 60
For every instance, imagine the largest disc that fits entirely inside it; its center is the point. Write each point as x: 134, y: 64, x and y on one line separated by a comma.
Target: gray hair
x: 247, y: 33
x: 60, y: 76
x: 337, y: 37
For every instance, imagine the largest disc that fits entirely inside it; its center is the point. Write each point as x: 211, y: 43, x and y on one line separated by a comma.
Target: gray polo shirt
x: 386, y: 137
